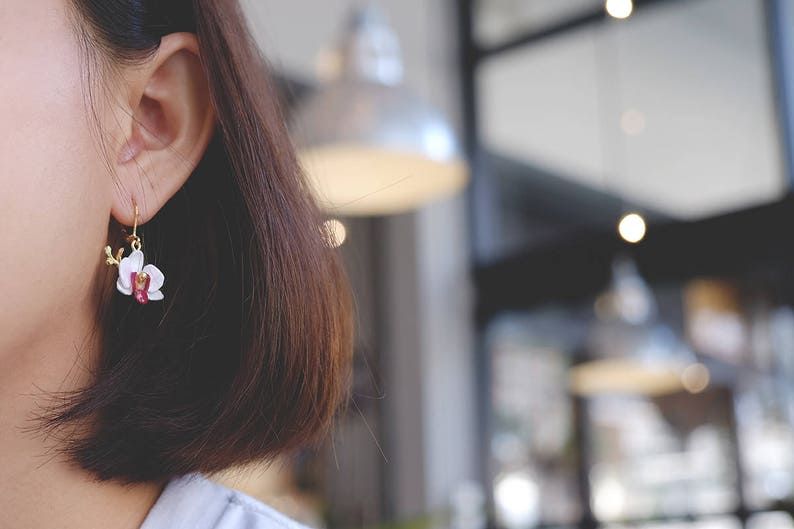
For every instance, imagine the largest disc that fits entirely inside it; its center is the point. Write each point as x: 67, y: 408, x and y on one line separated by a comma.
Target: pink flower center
x: 140, y: 286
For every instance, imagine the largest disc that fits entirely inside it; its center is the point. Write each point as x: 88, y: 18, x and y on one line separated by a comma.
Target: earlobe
x: 169, y: 126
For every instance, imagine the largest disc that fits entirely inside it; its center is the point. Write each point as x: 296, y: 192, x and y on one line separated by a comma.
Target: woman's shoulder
x: 193, y: 501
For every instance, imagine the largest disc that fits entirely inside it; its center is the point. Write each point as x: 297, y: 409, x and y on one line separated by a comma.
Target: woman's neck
x: 38, y: 488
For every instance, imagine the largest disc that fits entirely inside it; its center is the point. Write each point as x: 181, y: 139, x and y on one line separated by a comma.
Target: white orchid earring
x: 143, y: 282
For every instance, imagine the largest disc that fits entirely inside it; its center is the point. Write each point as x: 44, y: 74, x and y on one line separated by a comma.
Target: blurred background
x: 568, y: 226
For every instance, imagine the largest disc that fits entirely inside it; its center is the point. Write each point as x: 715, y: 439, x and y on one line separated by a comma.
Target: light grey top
x: 195, y: 502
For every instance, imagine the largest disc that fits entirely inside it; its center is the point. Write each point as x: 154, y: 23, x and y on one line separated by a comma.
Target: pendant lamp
x: 368, y: 144
x: 631, y: 351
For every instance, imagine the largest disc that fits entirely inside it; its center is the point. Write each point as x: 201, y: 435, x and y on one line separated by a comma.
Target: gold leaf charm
x: 110, y: 261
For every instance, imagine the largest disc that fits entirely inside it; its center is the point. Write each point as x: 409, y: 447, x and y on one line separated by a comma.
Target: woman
x: 221, y: 335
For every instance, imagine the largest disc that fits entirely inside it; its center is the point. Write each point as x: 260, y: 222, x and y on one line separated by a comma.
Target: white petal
x: 130, y: 264
x: 122, y: 288
x: 157, y: 277
x: 156, y: 295
x: 124, y: 273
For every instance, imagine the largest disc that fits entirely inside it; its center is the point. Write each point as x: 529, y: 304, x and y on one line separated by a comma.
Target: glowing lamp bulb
x: 619, y: 8
x: 632, y: 228
x: 336, y: 232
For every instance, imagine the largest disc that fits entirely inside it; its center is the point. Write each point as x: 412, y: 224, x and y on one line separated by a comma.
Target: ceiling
x: 672, y: 108
x: 688, y: 80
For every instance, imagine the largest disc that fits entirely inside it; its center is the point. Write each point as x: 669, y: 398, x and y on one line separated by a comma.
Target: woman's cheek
x: 52, y: 193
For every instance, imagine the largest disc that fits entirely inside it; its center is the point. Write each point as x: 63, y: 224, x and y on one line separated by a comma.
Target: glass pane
x: 662, y: 457
x: 532, y: 466
x: 647, y: 456
x: 771, y: 520
x: 498, y: 20
x: 765, y: 416
x: 671, y: 109
x: 715, y: 523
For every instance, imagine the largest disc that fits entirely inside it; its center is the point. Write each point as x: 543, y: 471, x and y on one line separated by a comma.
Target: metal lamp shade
x: 372, y: 149
x: 634, y: 353
x: 368, y: 144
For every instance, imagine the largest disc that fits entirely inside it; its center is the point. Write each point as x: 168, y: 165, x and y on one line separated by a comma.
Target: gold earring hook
x: 134, y: 240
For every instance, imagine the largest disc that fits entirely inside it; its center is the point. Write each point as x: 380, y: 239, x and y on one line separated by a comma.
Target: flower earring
x: 143, y: 282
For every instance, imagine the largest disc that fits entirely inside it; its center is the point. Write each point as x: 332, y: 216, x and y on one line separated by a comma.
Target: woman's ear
x: 167, y: 126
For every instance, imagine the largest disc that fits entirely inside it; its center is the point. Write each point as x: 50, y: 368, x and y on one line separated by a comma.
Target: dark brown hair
x: 249, y: 355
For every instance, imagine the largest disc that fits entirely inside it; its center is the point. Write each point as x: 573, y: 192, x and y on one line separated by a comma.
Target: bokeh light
x: 632, y: 227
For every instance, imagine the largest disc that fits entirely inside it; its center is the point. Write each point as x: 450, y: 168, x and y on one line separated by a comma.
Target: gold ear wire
x: 133, y: 239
